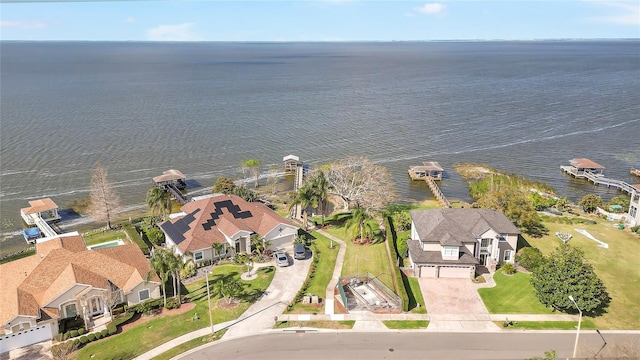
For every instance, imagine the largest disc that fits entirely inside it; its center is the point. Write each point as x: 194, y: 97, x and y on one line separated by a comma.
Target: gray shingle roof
x: 435, y: 257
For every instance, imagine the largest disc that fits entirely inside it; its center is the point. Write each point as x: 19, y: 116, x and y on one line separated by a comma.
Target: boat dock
x: 430, y: 171
x: 587, y: 169
x: 635, y: 172
x: 173, y: 181
x: 39, y: 213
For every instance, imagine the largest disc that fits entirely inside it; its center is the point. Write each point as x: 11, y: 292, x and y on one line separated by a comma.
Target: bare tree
x: 105, y: 202
x: 112, y: 297
x: 358, y: 181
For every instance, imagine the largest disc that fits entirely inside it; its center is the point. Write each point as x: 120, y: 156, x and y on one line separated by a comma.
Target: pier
x: 39, y: 213
x: 594, y: 172
x: 173, y: 181
x: 635, y: 172
x: 430, y: 171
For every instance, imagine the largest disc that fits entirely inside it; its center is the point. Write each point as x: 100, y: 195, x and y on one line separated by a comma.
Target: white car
x: 281, y: 258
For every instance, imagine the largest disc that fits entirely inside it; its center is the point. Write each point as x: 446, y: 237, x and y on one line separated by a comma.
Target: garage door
x: 455, y: 272
x: 428, y: 271
x: 281, y: 242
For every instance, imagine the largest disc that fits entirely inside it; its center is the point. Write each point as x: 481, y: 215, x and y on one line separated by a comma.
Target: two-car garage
x: 443, y: 271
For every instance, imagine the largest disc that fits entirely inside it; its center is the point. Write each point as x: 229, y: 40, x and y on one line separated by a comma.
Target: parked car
x: 299, y: 251
x: 281, y: 258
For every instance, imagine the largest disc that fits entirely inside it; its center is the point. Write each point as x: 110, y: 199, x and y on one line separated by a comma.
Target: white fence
x: 612, y: 216
x: 25, y: 338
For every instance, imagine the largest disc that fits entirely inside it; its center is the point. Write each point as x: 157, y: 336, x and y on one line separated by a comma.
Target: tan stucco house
x: 634, y: 206
x: 66, y: 280
x: 227, y: 220
x: 450, y: 243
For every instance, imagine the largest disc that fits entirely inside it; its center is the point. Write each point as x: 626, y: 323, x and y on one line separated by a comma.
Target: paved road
x: 416, y: 345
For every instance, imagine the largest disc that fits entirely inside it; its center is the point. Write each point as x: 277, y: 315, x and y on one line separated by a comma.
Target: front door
x: 483, y: 259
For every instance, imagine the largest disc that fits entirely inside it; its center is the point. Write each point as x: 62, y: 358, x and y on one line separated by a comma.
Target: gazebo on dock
x: 291, y: 163
x: 171, y: 178
x: 430, y: 169
x: 579, y: 166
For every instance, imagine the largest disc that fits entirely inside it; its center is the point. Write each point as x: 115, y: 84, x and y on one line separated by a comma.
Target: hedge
x: 135, y: 237
x: 112, y: 328
x: 391, y: 244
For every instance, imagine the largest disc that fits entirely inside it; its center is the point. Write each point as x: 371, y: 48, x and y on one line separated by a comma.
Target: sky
x: 329, y: 20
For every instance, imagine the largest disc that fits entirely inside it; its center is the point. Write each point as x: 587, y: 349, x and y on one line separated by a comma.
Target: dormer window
x: 450, y: 251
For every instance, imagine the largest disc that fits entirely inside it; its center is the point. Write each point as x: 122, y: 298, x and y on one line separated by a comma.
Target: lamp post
x: 575, y: 347
x: 209, y: 303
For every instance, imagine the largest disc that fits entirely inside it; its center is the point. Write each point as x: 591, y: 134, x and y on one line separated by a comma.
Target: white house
x: 228, y: 220
x: 634, y: 206
x: 450, y: 243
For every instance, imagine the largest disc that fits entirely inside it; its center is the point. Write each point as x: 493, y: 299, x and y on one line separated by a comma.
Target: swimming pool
x: 107, y: 244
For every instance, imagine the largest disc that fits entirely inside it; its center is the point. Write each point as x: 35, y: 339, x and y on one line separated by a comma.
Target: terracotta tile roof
x: 583, y: 163
x: 208, y: 220
x: 637, y: 186
x: 39, y: 206
x: 30, y: 283
x: 70, y: 243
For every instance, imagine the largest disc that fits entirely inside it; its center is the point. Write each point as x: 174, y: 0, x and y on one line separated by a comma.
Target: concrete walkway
x: 329, y: 299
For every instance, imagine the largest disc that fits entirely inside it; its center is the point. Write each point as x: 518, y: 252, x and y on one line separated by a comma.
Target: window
x: 70, y: 310
x: 144, y: 294
x: 508, y: 254
x: 633, y: 211
x: 198, y: 256
x: 450, y: 251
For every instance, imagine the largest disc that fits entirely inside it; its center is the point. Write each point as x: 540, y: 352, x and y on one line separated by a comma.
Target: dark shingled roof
x: 435, y: 257
x: 456, y: 227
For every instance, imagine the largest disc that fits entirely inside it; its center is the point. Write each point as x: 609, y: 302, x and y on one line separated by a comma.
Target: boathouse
x: 430, y: 169
x: 291, y: 163
x: 579, y: 166
x: 45, y: 209
x: 171, y: 177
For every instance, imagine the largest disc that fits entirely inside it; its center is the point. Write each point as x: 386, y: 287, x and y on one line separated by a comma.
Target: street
x: 419, y: 345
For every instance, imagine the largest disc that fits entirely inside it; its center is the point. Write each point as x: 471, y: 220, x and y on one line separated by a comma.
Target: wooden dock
x: 635, y: 172
x: 597, y: 178
x: 437, y: 193
x: 430, y: 171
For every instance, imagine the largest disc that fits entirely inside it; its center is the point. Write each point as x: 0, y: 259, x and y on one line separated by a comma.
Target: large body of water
x: 202, y: 108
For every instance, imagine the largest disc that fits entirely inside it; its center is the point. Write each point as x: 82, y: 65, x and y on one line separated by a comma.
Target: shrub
x: 188, y: 271
x: 84, y: 340
x: 104, y: 333
x: 135, y: 237
x: 66, y: 335
x: 73, y: 333
x: 530, y: 258
x: 172, y: 304
x: 401, y: 221
x: 390, y: 242
x: 91, y: 337
x: 403, y: 248
x: 508, y: 269
x: 58, y: 337
x: 81, y: 331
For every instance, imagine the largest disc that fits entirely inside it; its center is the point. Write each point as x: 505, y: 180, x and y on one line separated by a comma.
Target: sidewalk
x: 329, y: 295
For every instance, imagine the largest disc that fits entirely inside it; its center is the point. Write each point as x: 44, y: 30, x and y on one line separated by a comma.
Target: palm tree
x: 358, y: 220
x: 176, y: 264
x: 160, y: 266
x: 217, y: 249
x: 303, y: 197
x: 320, y: 187
x: 159, y: 200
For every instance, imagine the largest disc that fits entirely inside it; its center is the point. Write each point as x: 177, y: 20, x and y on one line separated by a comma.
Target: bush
x: 73, y: 333
x: 81, y: 331
x: 131, y: 232
x: 104, y: 333
x: 91, y: 337
x: 390, y: 242
x: 401, y: 221
x: 530, y: 258
x: 172, y: 304
x: 113, y: 326
x: 188, y: 271
x: 508, y: 269
x: 58, y: 337
x: 84, y: 340
x: 403, y: 248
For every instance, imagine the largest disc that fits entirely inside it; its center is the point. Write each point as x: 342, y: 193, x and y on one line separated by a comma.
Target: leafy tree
x: 401, y: 221
x: 515, y: 205
x: 403, y: 247
x: 159, y: 201
x: 590, y: 202
x: 155, y: 235
x: 229, y: 289
x: 105, y: 202
x: 160, y: 266
x: 540, y: 202
x: 530, y: 258
x: 562, y: 203
x: 223, y: 185
x: 254, y: 166
x: 621, y: 200
x: 567, y: 272
x: 245, y: 193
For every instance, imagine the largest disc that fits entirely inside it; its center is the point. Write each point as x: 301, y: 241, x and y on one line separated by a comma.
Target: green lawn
x: 406, y: 324
x: 328, y: 324
x: 326, y: 263
x: 364, y: 258
x: 548, y: 325
x: 415, y: 296
x: 99, y: 237
x: 191, y: 344
x: 512, y: 295
x: 617, y: 266
x: 148, y: 335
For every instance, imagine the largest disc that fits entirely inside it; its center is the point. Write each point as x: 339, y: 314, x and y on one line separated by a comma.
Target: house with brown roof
x: 66, y: 280
x: 450, y: 243
x: 227, y: 220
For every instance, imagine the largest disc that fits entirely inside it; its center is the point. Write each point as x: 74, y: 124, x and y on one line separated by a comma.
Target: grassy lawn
x: 617, y: 266
x: 548, y: 325
x: 104, y: 236
x: 327, y: 261
x: 150, y: 334
x: 406, y: 324
x: 415, y: 296
x: 512, y: 295
x: 344, y: 324
x: 191, y: 344
x: 364, y: 258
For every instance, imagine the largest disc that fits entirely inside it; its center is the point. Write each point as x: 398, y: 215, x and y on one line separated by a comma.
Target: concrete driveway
x: 283, y: 288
